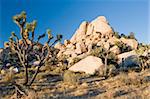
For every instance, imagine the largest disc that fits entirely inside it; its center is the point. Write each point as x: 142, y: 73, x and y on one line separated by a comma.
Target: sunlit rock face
x: 80, y: 33
x: 88, y: 65
x: 101, y: 25
x: 97, y: 33
x: 128, y: 58
x: 95, y: 29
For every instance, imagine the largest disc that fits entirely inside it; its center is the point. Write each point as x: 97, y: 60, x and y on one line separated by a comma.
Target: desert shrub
x: 97, y: 51
x: 124, y: 36
x: 131, y: 36
x: 20, y: 75
x: 70, y: 77
x: 74, y: 60
x: 130, y: 79
x: 123, y: 47
x: 8, y: 76
x: 123, y: 78
x: 116, y: 34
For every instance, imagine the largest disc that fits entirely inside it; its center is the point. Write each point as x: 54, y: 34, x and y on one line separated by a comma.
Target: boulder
x: 115, y: 49
x: 71, y: 46
x: 128, y: 58
x: 66, y: 42
x: 89, y: 65
x: 80, y: 33
x: 101, y: 25
x: 130, y: 42
x: 59, y: 46
x: 94, y: 29
x: 68, y: 52
x: 113, y: 40
x: 90, y: 47
x: 80, y: 48
x: 90, y: 29
x: 106, y: 46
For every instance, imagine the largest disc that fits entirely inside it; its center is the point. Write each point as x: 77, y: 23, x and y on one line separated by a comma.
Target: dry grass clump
x: 8, y: 76
x: 20, y: 75
x: 60, y: 69
x: 70, y: 77
x: 130, y: 79
x: 46, y: 68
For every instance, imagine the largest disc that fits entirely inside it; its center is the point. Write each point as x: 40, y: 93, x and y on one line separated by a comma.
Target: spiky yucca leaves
x: 27, y: 49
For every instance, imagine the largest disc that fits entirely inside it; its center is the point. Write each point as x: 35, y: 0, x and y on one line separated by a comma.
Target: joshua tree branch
x: 40, y: 64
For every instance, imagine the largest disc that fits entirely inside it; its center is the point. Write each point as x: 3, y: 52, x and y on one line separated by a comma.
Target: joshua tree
x: 27, y: 49
x: 106, y: 55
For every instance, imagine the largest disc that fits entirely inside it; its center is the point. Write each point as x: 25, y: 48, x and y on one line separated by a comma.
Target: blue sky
x: 64, y: 16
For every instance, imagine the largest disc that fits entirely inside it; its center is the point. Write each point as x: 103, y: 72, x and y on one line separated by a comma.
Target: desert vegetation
x: 92, y: 64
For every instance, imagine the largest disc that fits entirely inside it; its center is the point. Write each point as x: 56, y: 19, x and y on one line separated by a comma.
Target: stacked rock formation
x: 98, y: 32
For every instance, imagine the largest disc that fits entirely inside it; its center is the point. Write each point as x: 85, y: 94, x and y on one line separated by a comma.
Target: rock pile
x: 98, y: 32
x: 91, y: 34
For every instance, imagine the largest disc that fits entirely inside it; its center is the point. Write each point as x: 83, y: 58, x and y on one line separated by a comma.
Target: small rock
x: 84, y: 85
x: 80, y: 92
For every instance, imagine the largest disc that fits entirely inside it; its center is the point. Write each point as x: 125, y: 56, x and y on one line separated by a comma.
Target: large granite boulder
x: 128, y: 58
x: 101, y: 25
x: 115, y: 49
x: 94, y: 29
x: 89, y: 65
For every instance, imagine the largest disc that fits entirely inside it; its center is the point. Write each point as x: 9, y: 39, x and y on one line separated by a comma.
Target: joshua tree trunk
x: 106, y: 57
x: 34, y: 76
x: 26, y: 75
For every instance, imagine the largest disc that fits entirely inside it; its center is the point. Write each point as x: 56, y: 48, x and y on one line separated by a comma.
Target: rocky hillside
x: 99, y: 34
x: 96, y: 62
x: 96, y: 33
